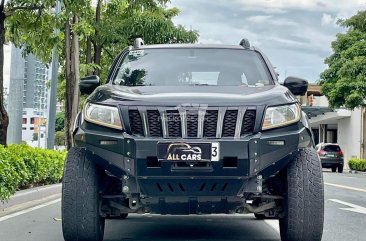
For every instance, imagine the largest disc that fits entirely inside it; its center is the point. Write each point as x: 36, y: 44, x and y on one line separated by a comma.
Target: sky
x: 296, y: 35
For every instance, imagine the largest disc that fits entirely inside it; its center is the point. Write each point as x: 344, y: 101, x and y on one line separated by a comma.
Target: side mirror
x: 296, y: 85
x: 88, y: 84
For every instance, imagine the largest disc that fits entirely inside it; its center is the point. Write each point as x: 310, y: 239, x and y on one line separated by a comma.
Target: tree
x: 8, y: 11
x: 60, y: 121
x: 60, y: 138
x: 344, y: 81
x: 35, y: 136
x: 92, y: 36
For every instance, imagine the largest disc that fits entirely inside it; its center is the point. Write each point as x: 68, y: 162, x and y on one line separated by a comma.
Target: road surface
x: 345, y: 219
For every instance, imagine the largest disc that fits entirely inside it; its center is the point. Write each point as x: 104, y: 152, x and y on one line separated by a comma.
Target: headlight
x: 281, y: 116
x: 103, y: 115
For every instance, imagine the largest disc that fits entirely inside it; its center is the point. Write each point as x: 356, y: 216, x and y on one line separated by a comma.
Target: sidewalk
x: 30, y: 197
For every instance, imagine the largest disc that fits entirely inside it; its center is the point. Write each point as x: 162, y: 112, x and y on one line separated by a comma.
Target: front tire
x: 304, y: 199
x: 81, y: 220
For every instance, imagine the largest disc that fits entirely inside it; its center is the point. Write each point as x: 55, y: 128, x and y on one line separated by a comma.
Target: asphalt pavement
x: 345, y: 219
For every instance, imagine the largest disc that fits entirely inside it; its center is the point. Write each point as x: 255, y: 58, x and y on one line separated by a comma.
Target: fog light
x: 107, y: 143
x: 125, y: 189
x: 276, y: 143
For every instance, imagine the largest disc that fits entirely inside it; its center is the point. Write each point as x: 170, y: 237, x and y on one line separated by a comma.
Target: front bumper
x: 133, y: 160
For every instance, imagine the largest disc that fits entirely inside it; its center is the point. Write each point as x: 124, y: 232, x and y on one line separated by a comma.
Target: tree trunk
x: 72, y: 79
x: 75, y: 65
x: 89, y: 54
x: 69, y: 86
x: 97, y: 45
x: 4, y: 119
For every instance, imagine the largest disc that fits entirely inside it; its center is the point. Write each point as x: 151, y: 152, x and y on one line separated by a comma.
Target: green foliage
x: 60, y: 121
x: 357, y: 164
x: 60, y: 138
x: 35, y: 136
x: 22, y: 166
x: 344, y: 81
x: 120, y: 23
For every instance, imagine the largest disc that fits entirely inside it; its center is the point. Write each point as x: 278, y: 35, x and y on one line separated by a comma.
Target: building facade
x: 27, y: 96
x: 342, y: 126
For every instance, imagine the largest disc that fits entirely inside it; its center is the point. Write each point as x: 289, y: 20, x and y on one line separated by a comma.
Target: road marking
x: 353, y: 207
x: 273, y: 224
x: 29, y: 210
x: 346, y: 187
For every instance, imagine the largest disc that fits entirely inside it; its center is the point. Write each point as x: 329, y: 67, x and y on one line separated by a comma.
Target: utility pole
x: 51, y: 118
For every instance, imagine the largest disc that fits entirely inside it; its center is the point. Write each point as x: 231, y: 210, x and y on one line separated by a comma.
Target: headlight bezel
x: 284, y: 123
x: 87, y: 118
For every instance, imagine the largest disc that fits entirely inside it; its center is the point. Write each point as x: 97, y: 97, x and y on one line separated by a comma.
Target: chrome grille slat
x: 164, y: 123
x: 201, y: 122
x: 183, y: 118
x: 142, y: 111
x: 239, y: 121
x: 220, y: 121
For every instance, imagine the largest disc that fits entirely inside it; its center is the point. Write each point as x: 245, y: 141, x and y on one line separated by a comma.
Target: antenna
x: 138, y: 43
x: 245, y: 43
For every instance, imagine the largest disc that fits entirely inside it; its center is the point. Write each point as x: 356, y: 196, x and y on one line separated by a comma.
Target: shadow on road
x: 216, y: 227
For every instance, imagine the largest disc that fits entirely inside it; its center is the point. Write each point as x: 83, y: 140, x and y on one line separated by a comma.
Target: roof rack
x: 245, y: 43
x: 138, y: 43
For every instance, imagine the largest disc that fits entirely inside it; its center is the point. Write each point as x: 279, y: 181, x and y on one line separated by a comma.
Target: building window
x: 32, y: 120
x: 24, y: 121
x: 32, y: 128
x: 24, y: 129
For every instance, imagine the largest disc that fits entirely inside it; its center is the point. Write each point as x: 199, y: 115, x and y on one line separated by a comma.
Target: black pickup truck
x: 192, y: 129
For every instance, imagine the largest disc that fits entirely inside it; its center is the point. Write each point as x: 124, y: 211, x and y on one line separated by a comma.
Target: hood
x: 177, y: 95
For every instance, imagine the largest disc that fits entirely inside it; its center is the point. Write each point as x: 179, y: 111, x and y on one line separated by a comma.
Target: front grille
x: 212, y: 122
x: 136, y: 122
x: 192, y: 124
x: 154, y: 120
x: 248, y: 122
x: 230, y: 120
x: 174, y: 123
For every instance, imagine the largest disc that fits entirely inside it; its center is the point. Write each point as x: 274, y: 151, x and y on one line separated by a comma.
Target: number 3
x: 214, y: 151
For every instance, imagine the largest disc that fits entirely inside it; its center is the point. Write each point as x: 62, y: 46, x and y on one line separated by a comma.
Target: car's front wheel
x: 304, y: 199
x: 81, y: 219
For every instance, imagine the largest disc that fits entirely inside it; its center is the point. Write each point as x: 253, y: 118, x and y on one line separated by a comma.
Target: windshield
x: 178, y: 67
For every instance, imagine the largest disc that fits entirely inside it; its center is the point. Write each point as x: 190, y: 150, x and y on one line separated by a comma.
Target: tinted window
x: 176, y: 67
x: 331, y: 148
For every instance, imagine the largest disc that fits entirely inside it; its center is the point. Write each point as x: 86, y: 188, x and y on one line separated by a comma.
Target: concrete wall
x: 320, y: 101
x: 349, y: 138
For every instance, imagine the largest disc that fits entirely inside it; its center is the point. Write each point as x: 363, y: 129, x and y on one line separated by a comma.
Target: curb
x: 30, y: 195
x: 357, y: 172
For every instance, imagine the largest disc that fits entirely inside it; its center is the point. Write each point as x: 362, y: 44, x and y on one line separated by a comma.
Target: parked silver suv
x: 331, y: 156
